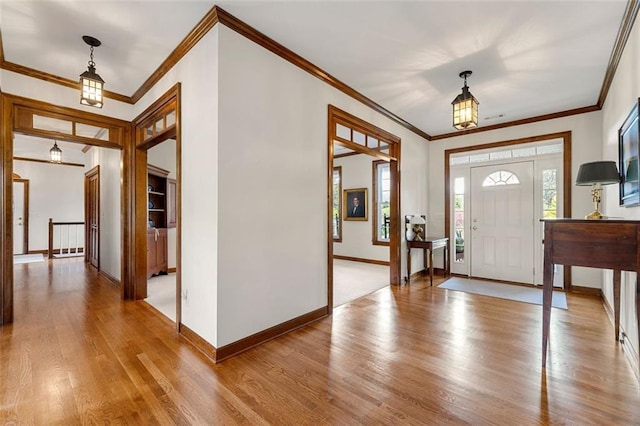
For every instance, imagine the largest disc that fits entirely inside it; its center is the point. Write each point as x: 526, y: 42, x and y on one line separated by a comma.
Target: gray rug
x: 504, y: 291
x: 28, y: 258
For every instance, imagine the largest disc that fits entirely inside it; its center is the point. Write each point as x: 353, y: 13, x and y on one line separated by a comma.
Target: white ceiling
x: 528, y: 57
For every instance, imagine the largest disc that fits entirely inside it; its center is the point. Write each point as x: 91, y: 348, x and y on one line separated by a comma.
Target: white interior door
x: 502, y: 226
x: 18, y: 217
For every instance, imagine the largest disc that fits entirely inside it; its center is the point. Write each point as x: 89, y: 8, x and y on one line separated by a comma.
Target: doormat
x: 28, y: 258
x: 504, y: 291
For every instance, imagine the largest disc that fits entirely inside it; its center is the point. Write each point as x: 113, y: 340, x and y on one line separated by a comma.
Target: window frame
x: 374, y: 223
x: 338, y: 169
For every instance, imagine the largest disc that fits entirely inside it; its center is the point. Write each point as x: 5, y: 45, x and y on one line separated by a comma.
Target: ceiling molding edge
x: 195, y: 35
x: 628, y: 19
x: 551, y: 116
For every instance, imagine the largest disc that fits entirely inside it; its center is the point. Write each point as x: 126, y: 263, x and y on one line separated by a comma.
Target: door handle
x: 474, y: 227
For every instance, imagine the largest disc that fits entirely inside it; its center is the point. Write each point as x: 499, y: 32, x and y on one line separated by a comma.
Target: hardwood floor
x: 76, y: 354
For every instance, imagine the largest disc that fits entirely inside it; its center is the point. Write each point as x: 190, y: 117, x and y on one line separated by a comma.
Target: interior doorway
x: 351, y: 137
x: 92, y: 216
x: 20, y: 215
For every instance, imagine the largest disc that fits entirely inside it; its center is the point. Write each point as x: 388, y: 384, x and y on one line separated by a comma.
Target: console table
x: 428, y: 245
x: 606, y: 244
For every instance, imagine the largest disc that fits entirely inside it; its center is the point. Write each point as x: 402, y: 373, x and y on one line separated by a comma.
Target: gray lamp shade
x: 602, y: 172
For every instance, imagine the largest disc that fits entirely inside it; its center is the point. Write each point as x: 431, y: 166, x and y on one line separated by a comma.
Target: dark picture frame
x: 352, y: 209
x: 628, y: 151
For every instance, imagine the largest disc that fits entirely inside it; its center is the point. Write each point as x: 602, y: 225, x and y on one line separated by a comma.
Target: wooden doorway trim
x: 16, y: 115
x: 337, y: 116
x: 148, y: 132
x: 92, y: 217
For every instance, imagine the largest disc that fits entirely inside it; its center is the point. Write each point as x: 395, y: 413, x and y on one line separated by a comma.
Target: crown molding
x: 529, y: 120
x: 62, y: 81
x: 628, y: 19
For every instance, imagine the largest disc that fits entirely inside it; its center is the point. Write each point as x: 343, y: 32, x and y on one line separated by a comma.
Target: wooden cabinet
x: 158, y: 212
x: 156, y: 251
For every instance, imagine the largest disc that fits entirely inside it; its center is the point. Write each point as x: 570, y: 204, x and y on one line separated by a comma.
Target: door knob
x: 474, y: 227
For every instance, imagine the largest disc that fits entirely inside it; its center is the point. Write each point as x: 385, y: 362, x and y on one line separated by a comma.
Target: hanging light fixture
x: 465, y: 107
x: 55, y: 153
x: 90, y: 83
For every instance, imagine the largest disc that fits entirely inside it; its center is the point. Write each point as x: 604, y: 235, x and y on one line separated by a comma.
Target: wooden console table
x: 429, y: 244
x: 606, y: 244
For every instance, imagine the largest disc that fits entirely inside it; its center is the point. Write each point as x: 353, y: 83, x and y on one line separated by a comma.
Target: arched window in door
x: 501, y: 177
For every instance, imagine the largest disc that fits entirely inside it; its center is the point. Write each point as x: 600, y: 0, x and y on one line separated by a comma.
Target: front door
x: 502, y: 222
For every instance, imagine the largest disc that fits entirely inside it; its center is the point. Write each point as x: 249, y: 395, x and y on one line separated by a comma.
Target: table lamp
x: 414, y: 229
x: 596, y: 174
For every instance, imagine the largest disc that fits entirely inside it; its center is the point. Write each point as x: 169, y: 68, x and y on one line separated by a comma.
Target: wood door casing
x: 92, y: 216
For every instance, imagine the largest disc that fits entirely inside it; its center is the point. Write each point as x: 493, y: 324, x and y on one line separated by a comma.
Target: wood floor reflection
x: 76, y: 354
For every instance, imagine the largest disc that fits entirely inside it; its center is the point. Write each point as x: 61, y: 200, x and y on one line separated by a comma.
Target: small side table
x: 428, y: 245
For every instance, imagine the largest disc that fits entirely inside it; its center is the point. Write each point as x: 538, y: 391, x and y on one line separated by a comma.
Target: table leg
x: 431, y: 266
x: 446, y: 260
x: 616, y: 302
x: 547, y: 294
x: 408, y: 265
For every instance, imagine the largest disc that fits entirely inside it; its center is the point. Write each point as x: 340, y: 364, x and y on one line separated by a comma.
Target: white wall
x: 163, y: 155
x: 622, y: 96
x: 357, y: 235
x: 272, y: 245
x: 585, y: 135
x: 55, y: 191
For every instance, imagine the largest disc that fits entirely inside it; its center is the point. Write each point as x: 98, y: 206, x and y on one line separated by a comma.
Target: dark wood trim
x: 566, y: 165
x: 6, y: 199
x: 362, y: 260
x: 62, y: 81
x: 273, y: 46
x: 339, y: 239
x: 36, y: 160
x: 331, y: 124
x: 200, y: 30
x: 171, y: 270
x: 374, y: 216
x: 197, y: 342
x: 271, y: 333
x: 628, y: 19
x: 544, y: 117
x: 348, y: 154
x: 113, y: 280
x: 589, y: 291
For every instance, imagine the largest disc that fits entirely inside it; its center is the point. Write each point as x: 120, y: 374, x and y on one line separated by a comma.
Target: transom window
x: 501, y: 177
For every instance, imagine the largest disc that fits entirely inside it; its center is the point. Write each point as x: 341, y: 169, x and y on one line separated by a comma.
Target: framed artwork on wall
x: 628, y: 141
x: 354, y: 204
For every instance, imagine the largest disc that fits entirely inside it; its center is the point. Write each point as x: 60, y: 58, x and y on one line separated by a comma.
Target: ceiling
x: 528, y: 58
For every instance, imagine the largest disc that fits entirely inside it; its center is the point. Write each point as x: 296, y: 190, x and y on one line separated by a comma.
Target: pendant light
x: 55, y: 153
x: 465, y: 107
x: 90, y: 82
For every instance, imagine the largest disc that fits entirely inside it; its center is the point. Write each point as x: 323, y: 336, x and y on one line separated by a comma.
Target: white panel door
x: 502, y: 222
x: 18, y: 217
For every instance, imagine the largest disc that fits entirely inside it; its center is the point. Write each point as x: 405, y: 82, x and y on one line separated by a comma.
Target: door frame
x: 17, y: 117
x: 146, y: 136
x: 338, y: 116
x: 25, y: 220
x: 88, y: 252
x: 566, y: 175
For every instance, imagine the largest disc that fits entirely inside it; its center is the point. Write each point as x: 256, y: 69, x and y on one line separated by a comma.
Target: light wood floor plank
x: 77, y: 354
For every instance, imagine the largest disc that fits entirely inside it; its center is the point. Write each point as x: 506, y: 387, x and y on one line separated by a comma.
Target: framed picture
x: 628, y: 139
x: 354, y: 204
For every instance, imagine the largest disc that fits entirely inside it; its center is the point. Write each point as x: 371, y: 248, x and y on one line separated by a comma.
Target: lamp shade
x: 417, y: 220
x: 602, y: 172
